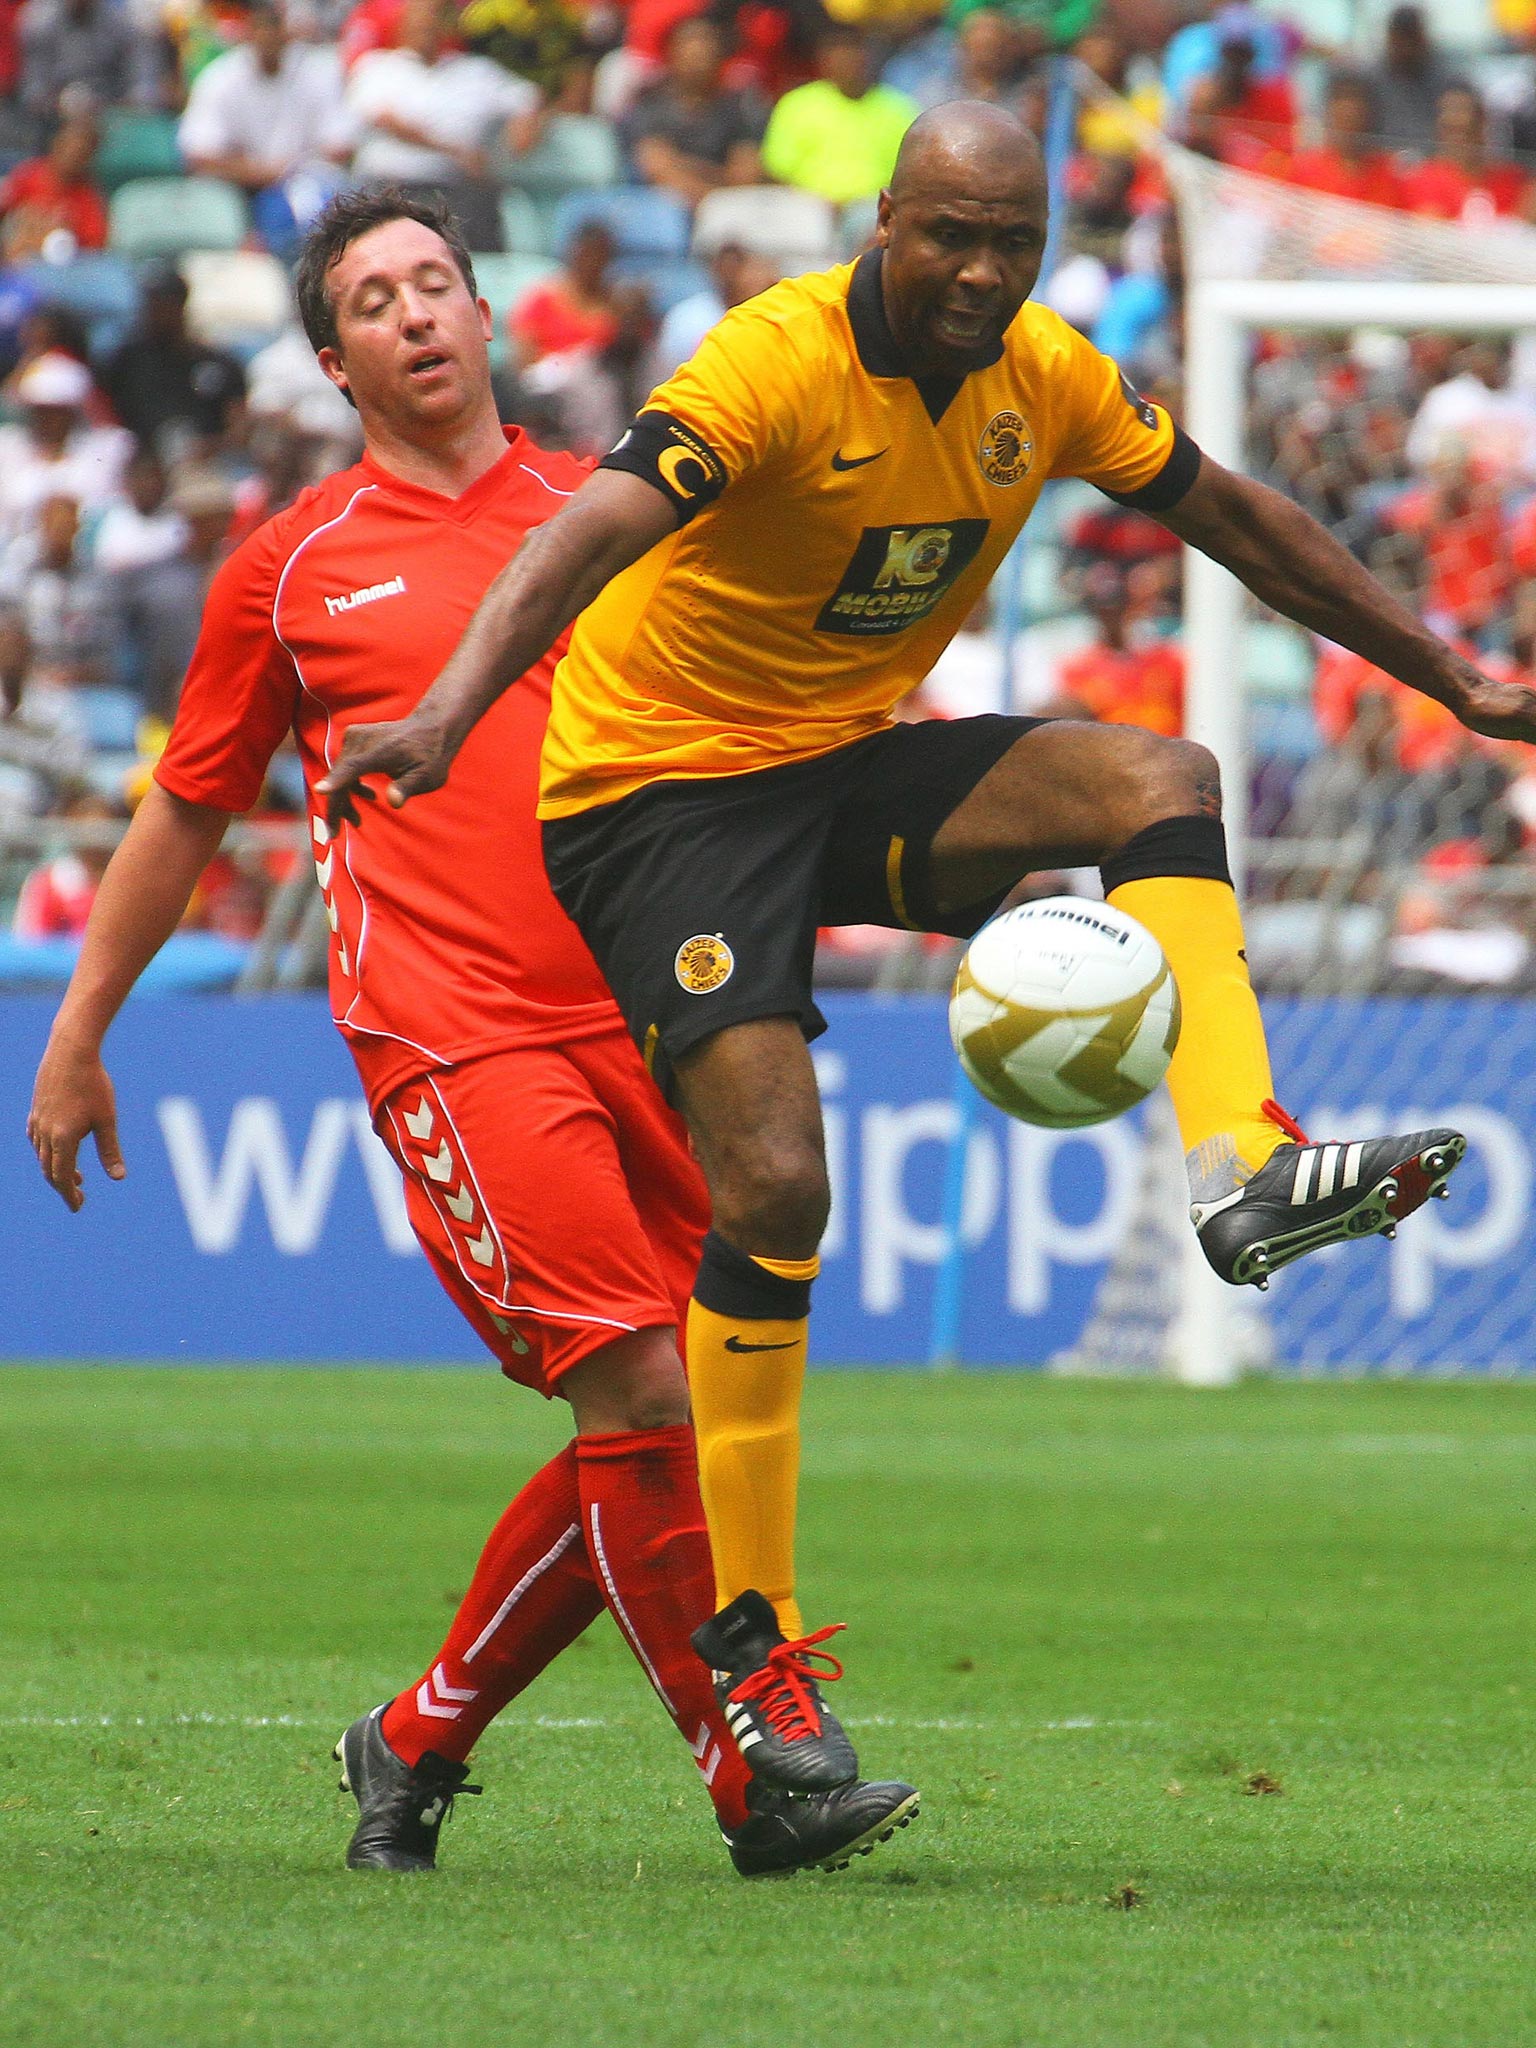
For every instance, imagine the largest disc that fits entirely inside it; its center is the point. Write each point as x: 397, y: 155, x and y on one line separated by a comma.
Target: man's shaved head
x: 962, y: 225
x: 968, y: 148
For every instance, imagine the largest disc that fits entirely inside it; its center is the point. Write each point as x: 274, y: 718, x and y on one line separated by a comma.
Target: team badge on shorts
x: 1006, y: 451
x: 703, y: 964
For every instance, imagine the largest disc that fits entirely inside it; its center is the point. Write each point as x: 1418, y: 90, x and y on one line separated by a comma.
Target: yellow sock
x: 746, y: 1377
x: 1220, y: 1069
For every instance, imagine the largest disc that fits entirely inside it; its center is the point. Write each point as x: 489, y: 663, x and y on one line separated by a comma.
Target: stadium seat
x: 668, y: 280
x: 576, y: 153
x: 236, y: 298
x: 136, y: 144
x: 111, y: 717
x: 524, y: 228
x: 795, y: 230
x: 97, y: 286
x: 168, y: 216
x: 643, y: 221
x: 502, y: 281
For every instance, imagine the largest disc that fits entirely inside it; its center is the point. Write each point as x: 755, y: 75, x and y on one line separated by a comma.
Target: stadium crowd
x: 627, y: 170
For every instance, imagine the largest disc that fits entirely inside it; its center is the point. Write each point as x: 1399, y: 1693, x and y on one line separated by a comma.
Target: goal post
x: 1224, y: 315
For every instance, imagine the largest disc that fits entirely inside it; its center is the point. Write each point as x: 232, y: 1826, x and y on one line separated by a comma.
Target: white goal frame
x: 1223, y: 314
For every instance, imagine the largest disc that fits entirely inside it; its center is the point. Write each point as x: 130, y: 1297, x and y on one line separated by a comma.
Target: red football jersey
x: 447, y: 942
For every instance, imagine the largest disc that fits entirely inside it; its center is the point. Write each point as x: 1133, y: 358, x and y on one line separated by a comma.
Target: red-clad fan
x: 1461, y: 181
x: 549, y: 1185
x: 1348, y: 165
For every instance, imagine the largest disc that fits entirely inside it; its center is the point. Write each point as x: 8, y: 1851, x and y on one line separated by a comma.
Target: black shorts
x: 701, y: 899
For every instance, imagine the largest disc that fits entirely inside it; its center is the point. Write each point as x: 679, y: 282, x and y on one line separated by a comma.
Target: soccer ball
x: 1064, y: 1012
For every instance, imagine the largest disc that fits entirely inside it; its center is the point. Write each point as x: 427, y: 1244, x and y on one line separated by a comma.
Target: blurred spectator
x: 1144, y: 302
x: 1348, y: 165
x: 1480, y: 412
x: 1235, y: 113
x: 1408, y: 81
x: 284, y: 382
x: 180, y: 394
x: 140, y: 527
x: 62, y: 600
x: 578, y: 308
x: 1116, y: 680
x: 1041, y: 25
x: 1460, y: 181
x: 158, y: 604
x: 838, y: 135
x: 43, y: 742
x: 689, y: 132
x: 264, y: 116
x: 1458, y: 522
x: 1103, y: 128
x: 427, y: 118
x: 56, y: 897
x: 1194, y: 52
x: 51, y: 203
x: 736, y: 275
x: 83, y: 43
x: 578, y: 339
x: 370, y: 25
x: 983, y: 59
x: 53, y: 452
x: 541, y: 40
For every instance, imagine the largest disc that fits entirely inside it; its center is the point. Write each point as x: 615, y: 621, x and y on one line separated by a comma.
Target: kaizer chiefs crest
x: 1006, y: 450
x: 704, y: 964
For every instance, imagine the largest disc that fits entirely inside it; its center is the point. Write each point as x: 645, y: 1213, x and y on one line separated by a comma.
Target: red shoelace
x: 1285, y: 1120
x: 782, y: 1686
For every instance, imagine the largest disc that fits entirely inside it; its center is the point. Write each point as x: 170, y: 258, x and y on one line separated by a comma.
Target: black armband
x: 1171, y: 481
x: 681, y: 465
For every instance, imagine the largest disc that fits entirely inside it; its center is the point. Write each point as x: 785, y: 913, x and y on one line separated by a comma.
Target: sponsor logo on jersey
x: 1006, y: 450
x: 840, y: 461
x: 704, y: 963
x: 899, y: 574
x: 1146, y: 413
x: 369, y: 594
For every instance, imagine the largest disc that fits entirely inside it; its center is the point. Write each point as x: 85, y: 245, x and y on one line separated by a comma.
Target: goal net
x: 1380, y: 370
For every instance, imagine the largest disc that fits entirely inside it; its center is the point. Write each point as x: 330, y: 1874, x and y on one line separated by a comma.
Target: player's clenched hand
x: 1500, y: 711
x: 413, y: 754
x: 73, y: 1097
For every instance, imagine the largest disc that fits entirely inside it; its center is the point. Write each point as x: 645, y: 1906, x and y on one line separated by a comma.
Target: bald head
x: 969, y: 150
x: 962, y: 225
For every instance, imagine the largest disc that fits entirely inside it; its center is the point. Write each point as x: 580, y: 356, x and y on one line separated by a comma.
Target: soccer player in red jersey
x: 549, y: 1185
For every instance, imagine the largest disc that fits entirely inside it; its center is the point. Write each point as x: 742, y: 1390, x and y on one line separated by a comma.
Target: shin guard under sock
x: 643, y: 1523
x: 1174, y: 878
x: 532, y: 1594
x: 746, y: 1345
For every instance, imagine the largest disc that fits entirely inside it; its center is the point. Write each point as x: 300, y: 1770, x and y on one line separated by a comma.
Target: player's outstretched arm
x: 612, y: 521
x: 143, y: 897
x: 1293, y: 564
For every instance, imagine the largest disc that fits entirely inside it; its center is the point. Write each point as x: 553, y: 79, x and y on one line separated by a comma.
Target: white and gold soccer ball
x: 1064, y: 1012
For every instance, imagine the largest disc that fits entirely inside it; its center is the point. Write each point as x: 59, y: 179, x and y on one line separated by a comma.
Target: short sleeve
x: 239, y: 697
x: 731, y: 406
x: 204, y: 127
x: 1114, y: 437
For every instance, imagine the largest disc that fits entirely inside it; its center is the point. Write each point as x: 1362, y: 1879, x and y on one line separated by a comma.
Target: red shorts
x: 554, y: 1192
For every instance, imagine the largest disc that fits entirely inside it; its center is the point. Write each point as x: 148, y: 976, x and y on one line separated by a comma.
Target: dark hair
x: 1353, y: 85
x: 349, y: 216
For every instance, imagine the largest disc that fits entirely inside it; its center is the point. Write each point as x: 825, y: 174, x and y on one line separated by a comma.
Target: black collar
x: 880, y: 352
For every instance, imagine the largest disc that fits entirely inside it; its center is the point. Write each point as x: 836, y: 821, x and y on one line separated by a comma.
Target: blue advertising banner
x: 261, y: 1219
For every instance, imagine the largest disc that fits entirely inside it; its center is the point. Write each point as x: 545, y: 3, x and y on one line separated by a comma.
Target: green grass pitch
x: 1221, y: 1706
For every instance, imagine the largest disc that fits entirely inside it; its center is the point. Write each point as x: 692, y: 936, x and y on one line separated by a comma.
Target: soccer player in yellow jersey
x: 775, y: 552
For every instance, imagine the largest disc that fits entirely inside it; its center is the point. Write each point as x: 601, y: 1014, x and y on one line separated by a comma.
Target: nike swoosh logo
x: 842, y: 461
x: 735, y: 1343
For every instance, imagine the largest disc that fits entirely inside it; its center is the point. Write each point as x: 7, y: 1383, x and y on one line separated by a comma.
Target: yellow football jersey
x: 839, y: 520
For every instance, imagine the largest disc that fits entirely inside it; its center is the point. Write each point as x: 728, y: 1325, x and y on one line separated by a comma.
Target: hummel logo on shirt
x: 370, y: 594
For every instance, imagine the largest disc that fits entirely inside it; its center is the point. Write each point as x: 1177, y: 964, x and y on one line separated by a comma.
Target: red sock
x: 533, y: 1593
x: 644, y: 1527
